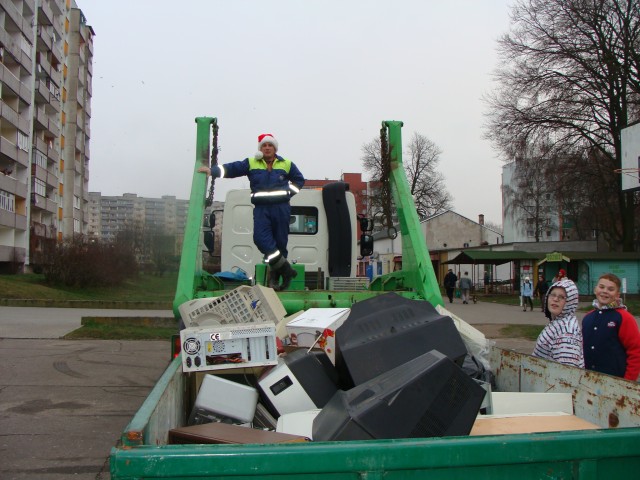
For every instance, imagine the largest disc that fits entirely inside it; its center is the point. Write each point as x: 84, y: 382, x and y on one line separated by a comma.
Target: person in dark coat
x: 611, y: 335
x: 450, y: 280
x: 541, y: 290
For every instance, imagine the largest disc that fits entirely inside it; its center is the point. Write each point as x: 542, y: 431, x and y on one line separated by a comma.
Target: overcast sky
x: 319, y: 75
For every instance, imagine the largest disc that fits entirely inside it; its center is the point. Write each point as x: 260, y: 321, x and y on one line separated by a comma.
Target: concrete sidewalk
x: 63, y: 404
x: 36, y: 322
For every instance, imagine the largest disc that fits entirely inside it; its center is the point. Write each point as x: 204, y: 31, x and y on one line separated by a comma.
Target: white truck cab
x: 322, y: 232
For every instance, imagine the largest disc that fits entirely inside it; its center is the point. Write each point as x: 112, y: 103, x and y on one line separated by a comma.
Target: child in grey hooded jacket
x: 561, y: 339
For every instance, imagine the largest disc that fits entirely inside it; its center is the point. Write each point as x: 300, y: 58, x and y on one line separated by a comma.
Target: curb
x: 168, y: 322
x: 28, y: 302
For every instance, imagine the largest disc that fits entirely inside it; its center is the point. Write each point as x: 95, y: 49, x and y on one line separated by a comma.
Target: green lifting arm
x: 417, y: 270
x: 191, y: 259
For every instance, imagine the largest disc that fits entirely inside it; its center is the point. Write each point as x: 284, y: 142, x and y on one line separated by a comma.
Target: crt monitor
x: 386, y: 331
x: 429, y: 396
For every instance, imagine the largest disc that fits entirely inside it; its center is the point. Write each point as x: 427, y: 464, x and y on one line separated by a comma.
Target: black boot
x: 288, y: 273
x: 274, y: 279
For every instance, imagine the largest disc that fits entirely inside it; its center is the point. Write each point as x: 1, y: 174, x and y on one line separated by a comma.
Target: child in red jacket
x: 610, y: 333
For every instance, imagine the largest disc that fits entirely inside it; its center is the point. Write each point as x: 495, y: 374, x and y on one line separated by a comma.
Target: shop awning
x: 492, y: 257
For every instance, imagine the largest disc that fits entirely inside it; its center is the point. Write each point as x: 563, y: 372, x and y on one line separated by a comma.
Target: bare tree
x: 570, y: 73
x: 420, y: 163
x: 425, y: 182
x: 496, y: 227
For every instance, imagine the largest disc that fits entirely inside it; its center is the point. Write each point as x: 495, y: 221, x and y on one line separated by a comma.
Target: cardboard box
x: 317, y: 327
x: 225, y: 433
x: 504, y: 425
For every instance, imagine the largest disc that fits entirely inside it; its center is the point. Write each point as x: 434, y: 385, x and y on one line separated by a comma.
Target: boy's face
x: 606, y: 291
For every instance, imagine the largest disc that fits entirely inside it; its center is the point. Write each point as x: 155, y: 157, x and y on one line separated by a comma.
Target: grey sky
x: 319, y: 75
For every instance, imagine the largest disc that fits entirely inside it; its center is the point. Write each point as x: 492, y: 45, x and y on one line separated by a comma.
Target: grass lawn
x: 143, y: 288
x: 98, y: 331
x: 530, y: 332
x: 631, y: 301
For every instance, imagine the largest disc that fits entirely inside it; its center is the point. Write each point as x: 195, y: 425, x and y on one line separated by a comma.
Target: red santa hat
x: 267, y: 138
x: 562, y: 273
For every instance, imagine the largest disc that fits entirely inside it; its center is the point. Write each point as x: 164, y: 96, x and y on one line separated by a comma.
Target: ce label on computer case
x: 215, y: 337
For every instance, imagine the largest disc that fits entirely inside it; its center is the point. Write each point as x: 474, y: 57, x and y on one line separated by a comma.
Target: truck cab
x: 322, y: 233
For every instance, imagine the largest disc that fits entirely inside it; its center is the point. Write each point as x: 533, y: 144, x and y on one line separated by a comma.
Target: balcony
x: 45, y: 15
x: 57, y: 6
x: 43, y: 66
x: 53, y: 154
x: 52, y: 178
x: 42, y: 92
x: 8, y: 150
x: 51, y: 206
x: 12, y: 185
x: 44, y: 40
x: 9, y: 79
x: 13, y: 220
x: 30, y: 5
x: 39, y: 172
x: 9, y: 114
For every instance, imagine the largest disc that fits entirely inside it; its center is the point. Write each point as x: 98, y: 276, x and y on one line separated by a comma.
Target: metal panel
x: 162, y: 410
x: 607, y: 401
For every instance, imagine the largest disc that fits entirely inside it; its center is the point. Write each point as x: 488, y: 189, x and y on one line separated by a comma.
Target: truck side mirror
x: 366, y: 245
x: 209, y: 241
x: 210, y: 221
x: 365, y: 223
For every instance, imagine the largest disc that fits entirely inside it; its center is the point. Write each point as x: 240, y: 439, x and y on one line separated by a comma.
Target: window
x: 76, y: 202
x: 40, y: 159
x: 7, y: 201
x: 303, y: 220
x: 23, y: 141
x: 39, y: 187
x: 531, y: 233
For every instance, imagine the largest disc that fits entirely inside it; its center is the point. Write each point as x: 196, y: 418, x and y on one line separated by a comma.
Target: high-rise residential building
x: 46, y: 55
x: 142, y: 220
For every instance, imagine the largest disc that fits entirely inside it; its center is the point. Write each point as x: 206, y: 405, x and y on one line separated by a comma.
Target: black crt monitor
x: 386, y: 331
x: 429, y: 396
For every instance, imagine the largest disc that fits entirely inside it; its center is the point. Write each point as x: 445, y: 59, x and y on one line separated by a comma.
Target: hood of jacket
x: 571, y: 305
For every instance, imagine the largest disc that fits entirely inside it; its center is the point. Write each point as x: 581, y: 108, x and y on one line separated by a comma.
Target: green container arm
x: 190, y: 274
x: 417, y: 270
x: 417, y: 278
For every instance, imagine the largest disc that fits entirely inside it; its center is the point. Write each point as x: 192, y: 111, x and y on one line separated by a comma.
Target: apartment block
x: 46, y: 54
x: 142, y: 219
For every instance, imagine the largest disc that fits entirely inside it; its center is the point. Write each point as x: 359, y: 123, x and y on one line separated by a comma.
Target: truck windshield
x: 303, y: 220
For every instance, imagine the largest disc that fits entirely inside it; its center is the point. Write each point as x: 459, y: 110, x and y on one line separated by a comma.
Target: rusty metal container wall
x: 607, y: 401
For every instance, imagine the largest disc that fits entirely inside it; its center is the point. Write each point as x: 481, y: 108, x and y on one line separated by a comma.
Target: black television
x: 385, y: 331
x: 429, y: 396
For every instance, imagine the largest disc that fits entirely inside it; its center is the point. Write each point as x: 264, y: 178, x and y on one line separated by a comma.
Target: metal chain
x: 214, y: 161
x: 385, y: 173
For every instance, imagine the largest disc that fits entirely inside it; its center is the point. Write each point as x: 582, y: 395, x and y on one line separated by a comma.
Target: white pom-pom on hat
x: 267, y: 138
x: 258, y: 156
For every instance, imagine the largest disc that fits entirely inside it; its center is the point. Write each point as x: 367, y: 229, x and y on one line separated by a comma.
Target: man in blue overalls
x: 273, y: 181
